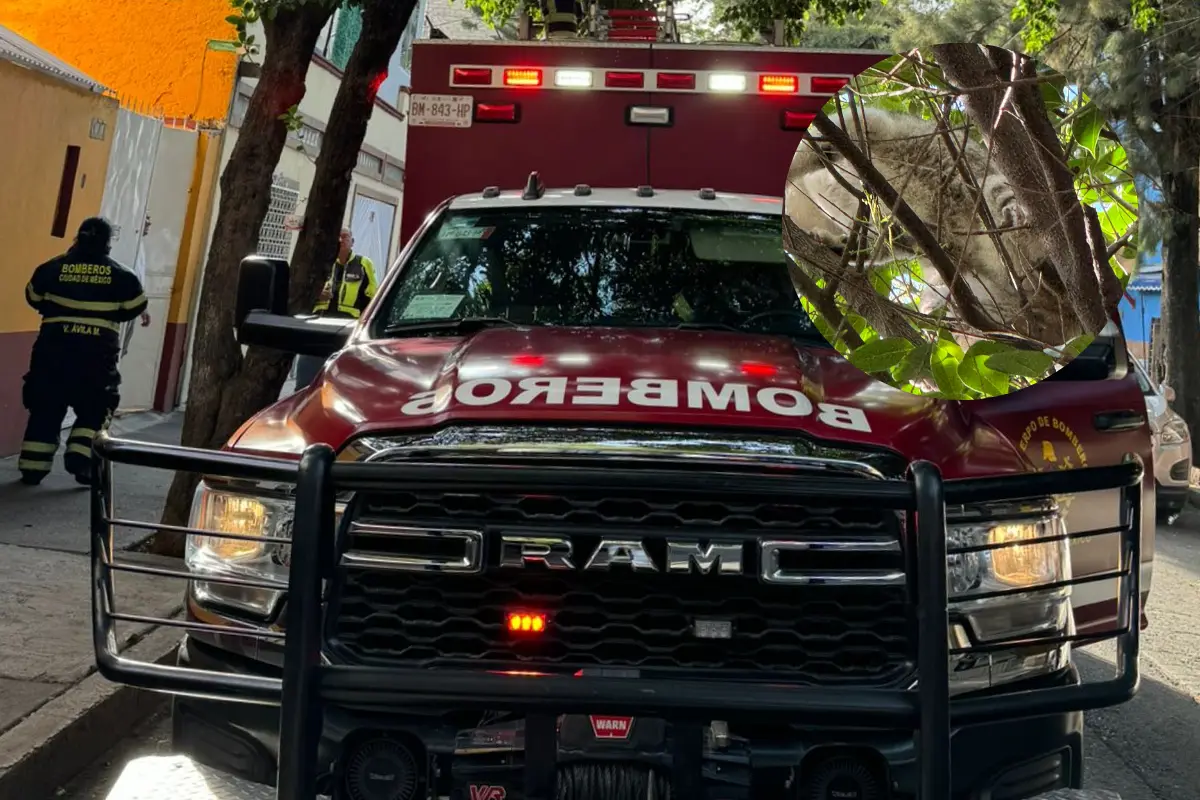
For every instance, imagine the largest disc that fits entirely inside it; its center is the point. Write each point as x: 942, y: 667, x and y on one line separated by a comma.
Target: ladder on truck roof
x: 657, y: 21
x: 629, y: 25
x: 561, y: 19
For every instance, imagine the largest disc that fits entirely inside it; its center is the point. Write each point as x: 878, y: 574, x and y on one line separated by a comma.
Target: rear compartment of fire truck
x: 630, y: 687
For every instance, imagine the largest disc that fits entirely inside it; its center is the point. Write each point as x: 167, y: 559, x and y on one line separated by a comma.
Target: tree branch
x: 1027, y: 152
x: 886, y: 318
x: 964, y: 298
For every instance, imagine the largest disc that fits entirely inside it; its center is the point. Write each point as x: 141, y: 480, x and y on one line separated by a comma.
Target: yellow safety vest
x: 350, y: 287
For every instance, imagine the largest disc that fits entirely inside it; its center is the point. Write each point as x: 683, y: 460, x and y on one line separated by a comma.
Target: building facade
x: 1141, y: 308
x: 377, y: 184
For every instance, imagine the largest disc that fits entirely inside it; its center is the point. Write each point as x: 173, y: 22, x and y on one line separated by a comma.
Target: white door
x: 173, y: 173
x: 371, y: 223
x: 125, y: 203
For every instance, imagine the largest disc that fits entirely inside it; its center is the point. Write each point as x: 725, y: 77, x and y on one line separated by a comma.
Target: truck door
x: 738, y: 114
x: 1067, y: 422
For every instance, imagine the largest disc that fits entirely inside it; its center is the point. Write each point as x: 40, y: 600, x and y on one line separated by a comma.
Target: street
x: 1146, y: 749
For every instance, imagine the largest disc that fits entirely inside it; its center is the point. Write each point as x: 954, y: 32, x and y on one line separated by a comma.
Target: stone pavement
x: 47, y: 685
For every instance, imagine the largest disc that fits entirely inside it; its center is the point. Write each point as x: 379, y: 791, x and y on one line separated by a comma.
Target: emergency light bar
x: 627, y: 80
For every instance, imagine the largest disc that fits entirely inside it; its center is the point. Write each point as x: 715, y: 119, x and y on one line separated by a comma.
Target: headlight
x: 1175, y: 431
x: 242, y: 513
x: 1026, y: 560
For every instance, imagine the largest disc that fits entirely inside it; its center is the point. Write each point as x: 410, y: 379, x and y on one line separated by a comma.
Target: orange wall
x: 152, y: 53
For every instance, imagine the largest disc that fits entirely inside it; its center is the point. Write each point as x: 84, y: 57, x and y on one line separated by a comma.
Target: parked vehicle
x: 1172, y: 445
x: 584, y: 503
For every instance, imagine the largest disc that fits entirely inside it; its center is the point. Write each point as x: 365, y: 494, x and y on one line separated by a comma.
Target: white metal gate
x: 274, y: 238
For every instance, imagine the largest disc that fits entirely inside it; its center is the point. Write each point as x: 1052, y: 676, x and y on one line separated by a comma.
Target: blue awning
x: 1151, y: 282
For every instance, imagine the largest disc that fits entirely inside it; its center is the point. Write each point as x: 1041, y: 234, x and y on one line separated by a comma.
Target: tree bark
x: 1181, y: 288
x: 216, y: 397
x: 1027, y: 152
x: 384, y: 22
x: 264, y: 372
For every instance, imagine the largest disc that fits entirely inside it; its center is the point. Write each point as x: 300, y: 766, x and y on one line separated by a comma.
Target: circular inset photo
x: 960, y: 221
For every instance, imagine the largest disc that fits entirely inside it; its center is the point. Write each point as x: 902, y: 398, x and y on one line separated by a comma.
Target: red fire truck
x: 584, y: 506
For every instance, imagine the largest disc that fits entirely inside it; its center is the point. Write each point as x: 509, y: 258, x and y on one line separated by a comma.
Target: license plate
x: 441, y: 110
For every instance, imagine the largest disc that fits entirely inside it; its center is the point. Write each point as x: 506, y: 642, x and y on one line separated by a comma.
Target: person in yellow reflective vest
x: 83, y: 297
x: 348, y: 289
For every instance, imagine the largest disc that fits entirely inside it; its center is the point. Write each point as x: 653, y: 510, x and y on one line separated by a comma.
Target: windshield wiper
x: 707, y: 326
x: 449, y: 327
x: 813, y: 336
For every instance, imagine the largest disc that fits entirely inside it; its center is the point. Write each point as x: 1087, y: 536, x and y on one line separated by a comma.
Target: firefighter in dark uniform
x: 350, y: 286
x: 83, y: 296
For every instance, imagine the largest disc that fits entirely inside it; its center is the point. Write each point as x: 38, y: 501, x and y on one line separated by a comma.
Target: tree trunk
x: 218, y: 399
x: 1025, y: 149
x: 1181, y: 288
x: 384, y: 22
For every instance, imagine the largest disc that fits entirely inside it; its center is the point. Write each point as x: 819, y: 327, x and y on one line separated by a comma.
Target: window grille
x: 369, y: 163
x: 274, y: 239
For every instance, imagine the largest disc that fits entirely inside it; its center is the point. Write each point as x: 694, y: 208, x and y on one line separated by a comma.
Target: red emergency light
x: 525, y: 622
x: 523, y: 77
x: 757, y: 370
x: 676, y: 81
x: 471, y: 76
x: 823, y: 84
x: 624, y: 80
x: 778, y: 84
x: 797, y: 120
x: 586, y: 78
x: 528, y: 360
x: 497, y: 112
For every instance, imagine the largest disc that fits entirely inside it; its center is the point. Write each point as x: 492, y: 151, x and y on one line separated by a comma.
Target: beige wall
x: 52, y: 116
x: 47, y: 116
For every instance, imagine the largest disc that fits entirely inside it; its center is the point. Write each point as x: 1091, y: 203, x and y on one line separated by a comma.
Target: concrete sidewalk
x: 56, y: 713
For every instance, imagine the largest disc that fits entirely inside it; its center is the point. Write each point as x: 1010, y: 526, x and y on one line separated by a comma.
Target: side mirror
x: 1168, y: 393
x: 261, y: 318
x: 1102, y: 360
x: 262, y: 286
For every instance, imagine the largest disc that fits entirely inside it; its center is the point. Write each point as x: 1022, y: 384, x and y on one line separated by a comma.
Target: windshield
x: 601, y: 266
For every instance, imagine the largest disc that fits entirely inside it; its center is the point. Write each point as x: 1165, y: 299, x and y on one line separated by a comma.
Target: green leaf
x: 880, y: 355
x: 1078, y: 345
x: 977, y: 375
x: 235, y: 19
x: 915, y: 364
x: 944, y: 365
x: 1052, y: 93
x: 1023, y: 363
x: 1086, y: 128
x: 861, y: 326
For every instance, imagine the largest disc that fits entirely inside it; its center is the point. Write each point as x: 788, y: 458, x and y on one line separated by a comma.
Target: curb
x: 64, y: 736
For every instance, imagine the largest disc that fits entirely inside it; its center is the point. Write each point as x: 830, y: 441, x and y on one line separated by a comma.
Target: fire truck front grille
x: 734, y: 624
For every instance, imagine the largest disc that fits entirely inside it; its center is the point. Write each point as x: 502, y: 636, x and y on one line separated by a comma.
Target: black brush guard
x: 308, y: 683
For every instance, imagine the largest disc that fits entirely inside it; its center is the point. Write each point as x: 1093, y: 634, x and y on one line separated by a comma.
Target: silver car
x: 1172, y: 445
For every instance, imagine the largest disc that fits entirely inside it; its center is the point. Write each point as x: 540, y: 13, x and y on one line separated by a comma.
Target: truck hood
x: 665, y: 379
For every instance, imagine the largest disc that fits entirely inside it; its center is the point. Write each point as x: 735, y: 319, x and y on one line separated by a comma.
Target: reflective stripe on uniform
x: 352, y: 295
x: 99, y: 323
x: 36, y: 456
x: 31, y: 295
x: 80, y: 441
x: 92, y: 305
